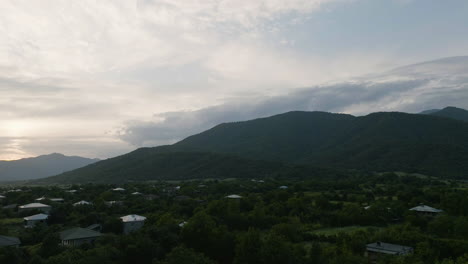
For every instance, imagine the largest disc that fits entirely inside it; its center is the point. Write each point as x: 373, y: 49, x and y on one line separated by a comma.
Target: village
x: 303, y: 214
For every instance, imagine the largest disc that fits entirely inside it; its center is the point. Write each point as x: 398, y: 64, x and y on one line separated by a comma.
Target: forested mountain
x: 40, y: 167
x: 449, y: 112
x: 377, y: 142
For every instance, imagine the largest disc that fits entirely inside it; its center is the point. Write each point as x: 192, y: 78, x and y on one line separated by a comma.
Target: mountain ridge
x: 294, y: 142
x: 40, y: 166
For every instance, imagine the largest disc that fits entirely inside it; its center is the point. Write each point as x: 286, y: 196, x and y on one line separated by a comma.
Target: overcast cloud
x: 100, y: 78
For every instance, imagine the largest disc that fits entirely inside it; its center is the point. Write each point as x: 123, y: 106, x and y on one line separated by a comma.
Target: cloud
x: 413, y: 89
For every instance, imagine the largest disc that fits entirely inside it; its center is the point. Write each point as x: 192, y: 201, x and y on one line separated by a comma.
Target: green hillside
x: 452, y: 112
x: 162, y: 164
x: 291, y: 143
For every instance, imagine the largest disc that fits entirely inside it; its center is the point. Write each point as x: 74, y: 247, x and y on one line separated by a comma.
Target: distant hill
x: 293, y: 142
x: 449, y: 112
x: 40, y: 167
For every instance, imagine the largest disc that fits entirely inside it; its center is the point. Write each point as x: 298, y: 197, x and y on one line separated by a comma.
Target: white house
x: 33, y: 220
x: 118, y: 189
x: 82, y: 202
x: 132, y: 223
x: 35, y: 206
x: 2, y: 197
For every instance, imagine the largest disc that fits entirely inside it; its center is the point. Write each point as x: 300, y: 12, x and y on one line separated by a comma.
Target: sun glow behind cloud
x: 74, y: 72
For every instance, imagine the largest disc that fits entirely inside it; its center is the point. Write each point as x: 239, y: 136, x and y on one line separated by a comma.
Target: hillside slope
x: 451, y: 112
x: 432, y: 145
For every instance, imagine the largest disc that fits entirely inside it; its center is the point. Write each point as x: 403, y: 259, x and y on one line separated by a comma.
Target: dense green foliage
x: 291, y: 143
x: 154, y: 164
x: 312, y: 221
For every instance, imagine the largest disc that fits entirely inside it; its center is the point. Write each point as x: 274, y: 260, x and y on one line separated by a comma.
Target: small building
x: 10, y: 207
x: 283, y: 187
x: 137, y: 193
x: 118, y: 189
x: 113, y: 203
x: 40, y: 199
x: 33, y: 220
x: 426, y: 210
x: 82, y: 202
x: 6, y: 241
x: 2, y: 197
x: 78, y: 236
x: 35, y: 206
x: 132, y: 223
x: 57, y: 200
x: 377, y: 249
x: 233, y: 196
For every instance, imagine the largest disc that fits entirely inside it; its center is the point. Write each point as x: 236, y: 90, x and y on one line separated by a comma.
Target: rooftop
x: 82, y: 202
x: 234, y: 196
x: 34, y: 205
x: 425, y: 208
x: 9, y: 241
x: 132, y: 218
x: 78, y: 233
x: 37, y: 217
x: 387, y: 248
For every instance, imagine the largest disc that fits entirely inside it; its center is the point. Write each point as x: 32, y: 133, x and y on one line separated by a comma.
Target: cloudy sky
x: 101, y: 78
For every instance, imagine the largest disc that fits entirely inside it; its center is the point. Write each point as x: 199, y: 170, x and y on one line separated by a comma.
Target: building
x: 57, y: 200
x: 35, y: 206
x: 426, y: 210
x: 78, y: 236
x: 82, y: 202
x: 2, y: 197
x: 233, y: 196
x: 377, y: 249
x: 132, y: 223
x: 6, y: 241
x: 113, y: 203
x: 33, y: 220
x: 118, y: 189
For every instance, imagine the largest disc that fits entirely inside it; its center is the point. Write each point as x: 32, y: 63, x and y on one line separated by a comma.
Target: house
x: 40, y: 199
x: 57, y: 200
x: 6, y: 241
x: 132, y: 223
x: 283, y: 187
x: 35, y: 206
x: 82, y: 202
x: 426, y: 210
x: 137, y: 193
x: 2, y: 197
x: 33, y: 220
x: 78, y: 236
x: 375, y: 250
x: 10, y: 207
x: 112, y: 203
x: 233, y: 196
x: 118, y: 189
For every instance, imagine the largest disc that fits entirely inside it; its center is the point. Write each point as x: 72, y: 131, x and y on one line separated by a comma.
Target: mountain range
x: 299, y: 143
x: 41, y: 166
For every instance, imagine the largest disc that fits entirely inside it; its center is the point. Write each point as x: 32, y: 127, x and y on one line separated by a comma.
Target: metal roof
x: 82, y: 202
x: 234, y: 196
x: 387, y: 248
x: 425, y: 208
x: 36, y: 217
x: 34, y: 205
x: 132, y: 218
x: 9, y: 241
x: 78, y: 233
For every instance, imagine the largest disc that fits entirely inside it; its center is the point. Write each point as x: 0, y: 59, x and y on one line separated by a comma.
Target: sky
x: 102, y: 78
